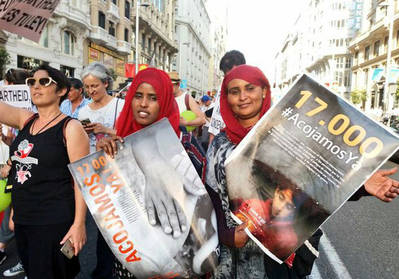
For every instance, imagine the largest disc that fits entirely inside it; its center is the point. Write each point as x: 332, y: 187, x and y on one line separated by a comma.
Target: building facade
x: 218, y: 13
x: 369, y: 53
x: 157, y: 46
x: 192, y: 35
x: 61, y: 44
x: 110, y: 37
x: 319, y: 45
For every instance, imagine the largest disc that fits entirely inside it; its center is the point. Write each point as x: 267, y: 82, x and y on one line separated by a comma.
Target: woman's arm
x: 77, y: 143
x: 199, y: 120
x: 13, y: 116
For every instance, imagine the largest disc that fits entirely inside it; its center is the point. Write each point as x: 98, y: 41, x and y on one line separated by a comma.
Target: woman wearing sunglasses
x: 245, y: 98
x: 48, y: 206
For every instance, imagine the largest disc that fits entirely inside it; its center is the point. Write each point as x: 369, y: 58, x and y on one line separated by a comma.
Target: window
x: 101, y: 20
x: 386, y: 44
x: 356, y: 57
x: 347, y: 79
x: 127, y: 9
x: 367, y: 53
x: 68, y: 43
x: 44, y: 37
x: 126, y: 35
x: 143, y: 41
x: 111, y: 28
x: 348, y: 62
x: 376, y: 48
x: 149, y: 45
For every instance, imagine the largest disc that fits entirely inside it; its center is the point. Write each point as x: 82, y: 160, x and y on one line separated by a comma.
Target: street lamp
x: 390, y: 18
x: 138, y: 4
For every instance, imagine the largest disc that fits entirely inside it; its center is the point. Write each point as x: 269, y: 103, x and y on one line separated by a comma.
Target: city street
x: 362, y: 241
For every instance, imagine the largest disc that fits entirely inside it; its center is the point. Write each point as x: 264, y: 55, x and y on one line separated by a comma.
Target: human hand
x: 5, y: 170
x: 160, y: 203
x: 97, y: 128
x: 77, y: 236
x: 240, y: 236
x: 109, y: 145
x: 183, y: 122
x: 10, y: 220
x: 381, y: 186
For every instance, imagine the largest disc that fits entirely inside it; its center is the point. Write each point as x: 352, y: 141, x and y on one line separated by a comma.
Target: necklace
x: 48, y: 123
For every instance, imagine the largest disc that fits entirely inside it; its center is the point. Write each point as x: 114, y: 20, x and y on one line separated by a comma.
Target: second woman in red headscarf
x: 149, y: 99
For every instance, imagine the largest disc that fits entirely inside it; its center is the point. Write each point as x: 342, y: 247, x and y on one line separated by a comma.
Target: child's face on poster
x: 283, y: 205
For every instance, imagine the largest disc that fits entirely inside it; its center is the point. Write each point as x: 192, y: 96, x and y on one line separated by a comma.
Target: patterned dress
x: 248, y: 261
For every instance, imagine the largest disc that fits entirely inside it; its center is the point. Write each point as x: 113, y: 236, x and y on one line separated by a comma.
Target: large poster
x: 151, y: 169
x: 17, y: 96
x: 300, y: 163
x: 26, y: 18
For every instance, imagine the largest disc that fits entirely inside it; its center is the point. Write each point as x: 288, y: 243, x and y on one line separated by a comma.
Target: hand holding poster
x: 300, y: 163
x: 131, y: 198
x: 26, y: 18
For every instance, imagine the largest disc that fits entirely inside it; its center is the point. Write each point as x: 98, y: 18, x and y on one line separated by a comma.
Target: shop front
x: 110, y: 59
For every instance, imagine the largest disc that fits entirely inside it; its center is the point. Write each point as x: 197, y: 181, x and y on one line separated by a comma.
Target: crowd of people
x: 75, y: 117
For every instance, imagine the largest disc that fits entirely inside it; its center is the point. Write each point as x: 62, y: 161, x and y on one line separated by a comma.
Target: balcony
x: 124, y: 47
x: 99, y: 35
x: 113, y: 11
x: 73, y: 13
x: 111, y: 42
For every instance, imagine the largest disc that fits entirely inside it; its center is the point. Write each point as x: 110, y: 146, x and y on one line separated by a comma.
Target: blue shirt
x: 66, y: 107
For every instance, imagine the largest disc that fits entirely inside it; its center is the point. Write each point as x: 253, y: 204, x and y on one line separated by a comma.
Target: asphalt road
x: 364, y: 237
x: 362, y: 241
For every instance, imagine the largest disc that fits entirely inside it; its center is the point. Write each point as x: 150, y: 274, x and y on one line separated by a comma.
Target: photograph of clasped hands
x: 176, y: 217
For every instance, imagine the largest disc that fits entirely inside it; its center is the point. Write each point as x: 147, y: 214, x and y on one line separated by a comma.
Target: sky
x: 258, y: 28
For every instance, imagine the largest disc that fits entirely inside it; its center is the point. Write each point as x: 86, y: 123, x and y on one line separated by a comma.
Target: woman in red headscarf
x: 149, y: 99
x: 245, y: 98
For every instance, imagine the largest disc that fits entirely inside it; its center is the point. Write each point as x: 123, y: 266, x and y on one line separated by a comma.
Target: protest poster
x: 116, y: 191
x: 25, y: 17
x: 17, y: 96
x: 300, y: 163
x: 217, y: 122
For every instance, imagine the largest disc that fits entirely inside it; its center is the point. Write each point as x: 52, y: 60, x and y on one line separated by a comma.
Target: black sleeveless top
x: 42, y: 191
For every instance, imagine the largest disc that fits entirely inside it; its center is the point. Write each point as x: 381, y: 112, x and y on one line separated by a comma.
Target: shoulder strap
x: 116, y: 111
x: 187, y: 101
x: 29, y: 120
x: 67, y: 119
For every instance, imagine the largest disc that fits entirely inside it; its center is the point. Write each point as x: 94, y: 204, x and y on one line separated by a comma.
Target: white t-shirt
x: 106, y: 115
x: 181, y: 102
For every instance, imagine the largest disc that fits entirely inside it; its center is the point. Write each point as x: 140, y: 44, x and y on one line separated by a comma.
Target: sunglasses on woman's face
x: 46, y: 81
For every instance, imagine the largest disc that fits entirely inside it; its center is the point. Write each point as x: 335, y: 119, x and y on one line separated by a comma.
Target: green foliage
x: 358, y: 96
x: 4, y: 61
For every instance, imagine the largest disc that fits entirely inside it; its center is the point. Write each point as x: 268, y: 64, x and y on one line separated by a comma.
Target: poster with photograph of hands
x: 150, y: 205
x: 300, y: 163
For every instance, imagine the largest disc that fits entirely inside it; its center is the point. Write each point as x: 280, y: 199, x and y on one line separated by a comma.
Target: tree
x: 4, y: 61
x: 358, y: 96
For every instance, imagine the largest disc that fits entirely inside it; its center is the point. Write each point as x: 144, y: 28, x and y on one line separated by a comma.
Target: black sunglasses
x: 46, y: 81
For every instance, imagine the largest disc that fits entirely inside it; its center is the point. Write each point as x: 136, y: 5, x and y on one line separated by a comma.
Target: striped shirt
x: 66, y: 107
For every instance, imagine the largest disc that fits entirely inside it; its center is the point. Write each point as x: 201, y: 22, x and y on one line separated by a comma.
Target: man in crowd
x: 76, y: 100
x: 186, y: 102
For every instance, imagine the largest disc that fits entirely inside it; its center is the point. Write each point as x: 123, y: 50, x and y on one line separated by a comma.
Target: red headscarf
x: 235, y: 132
x: 163, y: 87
